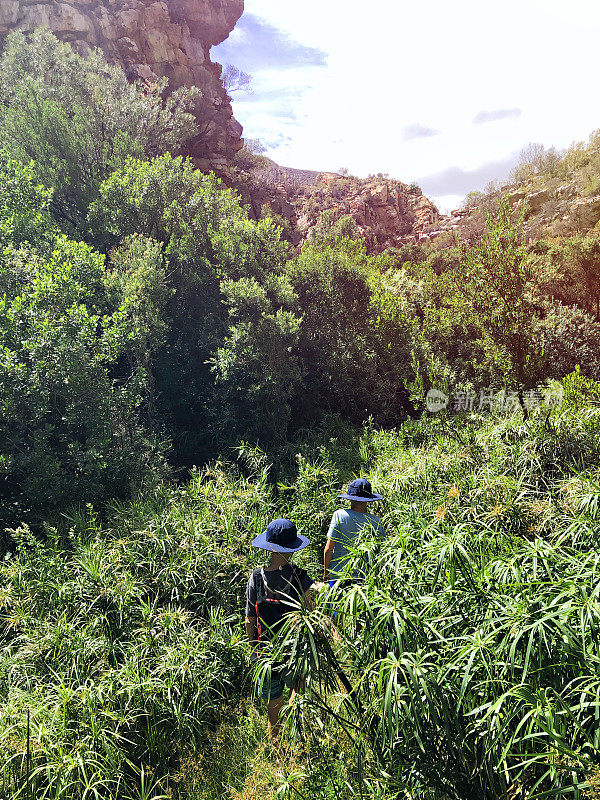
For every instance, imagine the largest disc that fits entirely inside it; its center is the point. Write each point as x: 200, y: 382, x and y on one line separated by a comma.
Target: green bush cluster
x: 145, y: 317
x: 501, y: 311
x: 466, y: 662
x: 120, y: 642
x: 71, y: 391
x: 183, y: 326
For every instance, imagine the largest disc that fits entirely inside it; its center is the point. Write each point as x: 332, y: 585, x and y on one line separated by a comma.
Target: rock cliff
x: 385, y: 212
x: 549, y: 213
x: 150, y: 39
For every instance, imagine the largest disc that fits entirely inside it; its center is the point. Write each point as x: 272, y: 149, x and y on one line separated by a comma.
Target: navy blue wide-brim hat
x: 360, y: 490
x: 281, y: 536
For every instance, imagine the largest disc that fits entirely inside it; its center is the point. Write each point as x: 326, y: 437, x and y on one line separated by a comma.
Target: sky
x: 444, y: 93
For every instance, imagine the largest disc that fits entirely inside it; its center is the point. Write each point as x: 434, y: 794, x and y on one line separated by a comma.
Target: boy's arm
x: 329, y: 547
x: 251, y: 630
x: 306, y: 584
x: 327, y: 556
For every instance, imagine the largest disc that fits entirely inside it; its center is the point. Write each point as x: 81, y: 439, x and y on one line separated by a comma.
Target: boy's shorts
x: 344, y: 583
x: 272, y: 689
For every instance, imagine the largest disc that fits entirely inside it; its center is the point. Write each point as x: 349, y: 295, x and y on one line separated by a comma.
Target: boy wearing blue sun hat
x: 345, y: 526
x: 273, y: 591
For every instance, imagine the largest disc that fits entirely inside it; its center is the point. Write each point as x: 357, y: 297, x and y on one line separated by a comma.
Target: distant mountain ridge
x: 304, y: 177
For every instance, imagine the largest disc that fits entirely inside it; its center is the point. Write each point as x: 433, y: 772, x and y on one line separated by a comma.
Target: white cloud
x: 391, y: 63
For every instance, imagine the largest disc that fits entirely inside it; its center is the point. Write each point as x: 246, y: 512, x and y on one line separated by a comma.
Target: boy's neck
x: 356, y: 505
x: 278, y: 560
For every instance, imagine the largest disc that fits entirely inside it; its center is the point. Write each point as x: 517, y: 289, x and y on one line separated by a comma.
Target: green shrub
x: 71, y: 427
x: 79, y: 118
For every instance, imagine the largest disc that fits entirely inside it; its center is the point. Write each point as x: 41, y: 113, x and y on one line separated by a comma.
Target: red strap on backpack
x: 258, y: 622
x: 265, y: 599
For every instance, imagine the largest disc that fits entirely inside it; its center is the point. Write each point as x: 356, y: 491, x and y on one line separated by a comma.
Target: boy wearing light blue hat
x: 345, y: 526
x: 273, y: 591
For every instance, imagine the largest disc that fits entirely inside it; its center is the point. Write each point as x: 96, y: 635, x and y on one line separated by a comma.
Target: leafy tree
x: 24, y: 205
x: 569, y: 272
x: 209, y: 245
x: 495, y: 289
x: 354, y: 349
x: 584, y: 258
x: 472, y: 199
x: 447, y: 342
x: 333, y: 297
x: 206, y: 233
x: 138, y: 286
x: 570, y: 338
x: 331, y: 227
x: 256, y: 368
x: 408, y: 254
x: 251, y: 158
x: 79, y: 118
x: 71, y: 427
x: 534, y: 160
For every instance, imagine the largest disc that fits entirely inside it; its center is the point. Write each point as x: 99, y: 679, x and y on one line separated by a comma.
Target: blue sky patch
x: 497, y: 114
x: 256, y: 45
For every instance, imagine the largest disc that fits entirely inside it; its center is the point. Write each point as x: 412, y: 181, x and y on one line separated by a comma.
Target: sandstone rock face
x: 585, y: 213
x: 536, y: 200
x: 516, y: 197
x: 386, y: 213
x: 150, y: 39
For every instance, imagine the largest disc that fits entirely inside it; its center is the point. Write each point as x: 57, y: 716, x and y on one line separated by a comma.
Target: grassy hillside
x: 560, y: 191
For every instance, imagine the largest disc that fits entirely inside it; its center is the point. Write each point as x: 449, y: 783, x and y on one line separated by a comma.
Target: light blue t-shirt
x: 344, y: 527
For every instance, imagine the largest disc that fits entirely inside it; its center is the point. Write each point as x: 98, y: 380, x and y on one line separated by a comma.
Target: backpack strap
x: 260, y: 594
x: 261, y: 597
x: 296, y: 578
x: 258, y: 626
x: 262, y: 589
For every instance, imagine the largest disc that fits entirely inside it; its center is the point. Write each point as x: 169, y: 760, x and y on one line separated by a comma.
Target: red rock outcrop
x: 150, y: 39
x: 385, y: 212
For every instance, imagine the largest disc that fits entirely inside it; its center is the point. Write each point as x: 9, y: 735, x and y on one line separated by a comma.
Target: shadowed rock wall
x: 150, y: 39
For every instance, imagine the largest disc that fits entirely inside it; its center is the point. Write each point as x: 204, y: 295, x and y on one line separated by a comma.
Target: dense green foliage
x: 71, y: 390
x: 80, y: 118
x: 502, y: 312
x: 149, y: 327
x: 472, y: 645
x: 183, y: 325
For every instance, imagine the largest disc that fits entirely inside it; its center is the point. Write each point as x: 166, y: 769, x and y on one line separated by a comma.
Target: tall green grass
x: 472, y: 647
x: 466, y: 665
